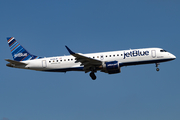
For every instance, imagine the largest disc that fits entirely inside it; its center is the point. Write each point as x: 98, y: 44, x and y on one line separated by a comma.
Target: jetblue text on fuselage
x: 135, y: 53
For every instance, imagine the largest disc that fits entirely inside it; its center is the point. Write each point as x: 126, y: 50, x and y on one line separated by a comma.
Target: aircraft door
x: 44, y: 65
x: 153, y: 53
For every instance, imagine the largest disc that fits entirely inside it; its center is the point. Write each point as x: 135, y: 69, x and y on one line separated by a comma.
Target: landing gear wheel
x: 92, y: 75
x: 157, y: 64
x: 157, y: 69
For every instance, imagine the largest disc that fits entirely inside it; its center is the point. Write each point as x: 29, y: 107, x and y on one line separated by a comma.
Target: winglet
x: 70, y: 51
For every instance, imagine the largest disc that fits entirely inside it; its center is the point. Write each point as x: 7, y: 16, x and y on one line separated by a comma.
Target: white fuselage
x: 124, y: 58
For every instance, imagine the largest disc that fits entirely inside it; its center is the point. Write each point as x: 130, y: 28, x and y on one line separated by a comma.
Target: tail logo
x: 18, y: 52
x: 20, y: 55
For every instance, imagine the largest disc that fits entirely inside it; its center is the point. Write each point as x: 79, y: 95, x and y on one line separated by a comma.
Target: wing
x: 86, y: 61
x: 13, y: 63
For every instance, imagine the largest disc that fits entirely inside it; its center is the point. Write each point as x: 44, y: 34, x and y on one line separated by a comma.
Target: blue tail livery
x: 18, y: 52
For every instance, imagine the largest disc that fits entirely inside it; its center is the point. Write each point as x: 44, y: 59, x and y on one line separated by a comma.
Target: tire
x: 93, y: 76
x: 157, y: 69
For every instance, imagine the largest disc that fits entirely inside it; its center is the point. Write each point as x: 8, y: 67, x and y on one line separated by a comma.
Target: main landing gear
x: 92, y: 75
x: 157, y: 69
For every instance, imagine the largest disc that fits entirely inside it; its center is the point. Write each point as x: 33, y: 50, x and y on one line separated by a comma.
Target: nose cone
x: 173, y: 56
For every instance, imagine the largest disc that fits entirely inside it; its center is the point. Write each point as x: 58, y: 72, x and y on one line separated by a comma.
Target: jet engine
x: 111, y: 67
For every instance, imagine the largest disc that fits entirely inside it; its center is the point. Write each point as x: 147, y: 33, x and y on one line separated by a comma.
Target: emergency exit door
x: 44, y: 65
x: 153, y: 53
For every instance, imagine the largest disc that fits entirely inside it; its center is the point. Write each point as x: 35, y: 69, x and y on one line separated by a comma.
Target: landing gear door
x: 153, y: 53
x: 44, y: 65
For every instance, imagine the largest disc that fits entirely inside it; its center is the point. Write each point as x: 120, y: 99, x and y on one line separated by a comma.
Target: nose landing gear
x: 157, y: 69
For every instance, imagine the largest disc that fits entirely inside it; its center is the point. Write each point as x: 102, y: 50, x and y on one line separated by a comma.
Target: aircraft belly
x: 62, y: 67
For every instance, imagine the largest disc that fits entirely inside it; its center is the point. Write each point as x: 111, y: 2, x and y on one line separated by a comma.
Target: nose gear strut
x: 157, y: 69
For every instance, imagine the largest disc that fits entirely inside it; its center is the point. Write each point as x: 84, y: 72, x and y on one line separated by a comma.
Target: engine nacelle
x: 111, y: 67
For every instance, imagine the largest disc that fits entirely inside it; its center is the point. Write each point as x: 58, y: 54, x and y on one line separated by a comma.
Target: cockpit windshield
x: 163, y: 51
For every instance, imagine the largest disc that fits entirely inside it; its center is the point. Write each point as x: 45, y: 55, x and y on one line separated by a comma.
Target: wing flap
x: 82, y: 59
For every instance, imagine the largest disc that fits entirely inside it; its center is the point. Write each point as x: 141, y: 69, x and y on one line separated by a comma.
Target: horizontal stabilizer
x: 15, y: 62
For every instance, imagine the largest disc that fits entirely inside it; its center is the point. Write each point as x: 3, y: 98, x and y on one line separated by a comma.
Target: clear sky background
x: 44, y: 27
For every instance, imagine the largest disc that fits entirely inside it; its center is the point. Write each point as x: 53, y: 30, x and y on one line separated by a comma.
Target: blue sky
x: 45, y: 27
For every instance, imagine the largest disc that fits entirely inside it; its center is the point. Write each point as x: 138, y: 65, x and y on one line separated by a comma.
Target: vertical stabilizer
x: 18, y: 52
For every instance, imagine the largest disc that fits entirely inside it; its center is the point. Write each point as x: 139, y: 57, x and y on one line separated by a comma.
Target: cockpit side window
x: 163, y: 51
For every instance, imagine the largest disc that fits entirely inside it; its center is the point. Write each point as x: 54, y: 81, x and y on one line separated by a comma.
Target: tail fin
x: 18, y: 52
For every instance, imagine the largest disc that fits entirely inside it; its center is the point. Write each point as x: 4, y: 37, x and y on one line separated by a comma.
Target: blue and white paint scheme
x: 108, y: 62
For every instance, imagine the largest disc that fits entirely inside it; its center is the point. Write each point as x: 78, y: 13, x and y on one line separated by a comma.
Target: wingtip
x: 66, y: 46
x: 70, y: 51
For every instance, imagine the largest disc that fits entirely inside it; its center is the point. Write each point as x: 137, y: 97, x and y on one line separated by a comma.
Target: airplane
x: 108, y: 62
